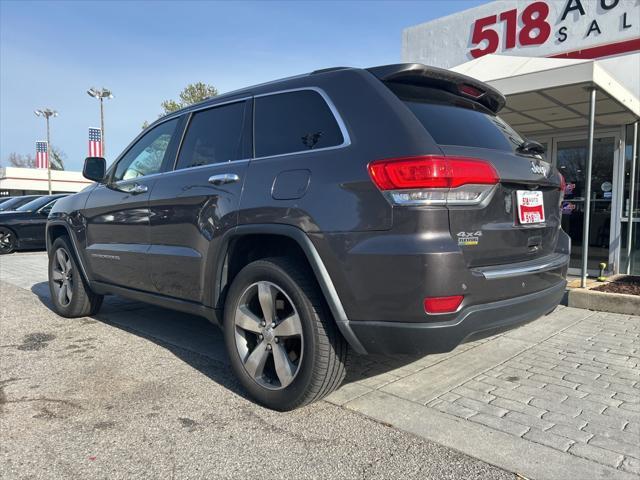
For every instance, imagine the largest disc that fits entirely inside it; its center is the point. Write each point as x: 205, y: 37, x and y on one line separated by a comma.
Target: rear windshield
x: 14, y: 203
x: 34, y: 205
x: 453, y: 120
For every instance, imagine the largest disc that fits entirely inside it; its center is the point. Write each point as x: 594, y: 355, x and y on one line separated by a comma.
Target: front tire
x: 8, y: 241
x: 282, y: 341
x: 70, y: 295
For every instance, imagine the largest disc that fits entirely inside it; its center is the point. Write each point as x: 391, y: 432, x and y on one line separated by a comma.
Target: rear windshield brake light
x: 470, y: 91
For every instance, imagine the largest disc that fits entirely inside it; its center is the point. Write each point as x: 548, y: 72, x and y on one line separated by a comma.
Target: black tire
x: 8, y: 241
x: 83, y: 301
x: 322, y: 365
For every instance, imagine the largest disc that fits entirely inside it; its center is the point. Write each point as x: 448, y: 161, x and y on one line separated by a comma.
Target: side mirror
x: 94, y: 169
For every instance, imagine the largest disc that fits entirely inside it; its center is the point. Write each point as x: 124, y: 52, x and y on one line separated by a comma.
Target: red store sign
x: 535, y: 25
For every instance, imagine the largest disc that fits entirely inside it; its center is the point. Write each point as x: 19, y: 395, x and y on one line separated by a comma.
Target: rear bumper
x: 471, y: 323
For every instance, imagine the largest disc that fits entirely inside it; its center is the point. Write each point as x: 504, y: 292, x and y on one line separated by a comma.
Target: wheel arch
x: 56, y: 229
x: 287, y: 238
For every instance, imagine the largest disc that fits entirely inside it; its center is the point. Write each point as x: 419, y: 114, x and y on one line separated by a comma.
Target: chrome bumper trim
x: 544, y: 264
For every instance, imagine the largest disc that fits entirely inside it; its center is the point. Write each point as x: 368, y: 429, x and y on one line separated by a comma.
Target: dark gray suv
x: 383, y: 210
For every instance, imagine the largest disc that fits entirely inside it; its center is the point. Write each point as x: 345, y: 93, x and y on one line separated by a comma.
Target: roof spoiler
x: 456, y: 83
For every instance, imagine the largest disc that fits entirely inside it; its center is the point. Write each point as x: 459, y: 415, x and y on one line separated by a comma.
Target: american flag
x: 95, y: 142
x: 42, y: 155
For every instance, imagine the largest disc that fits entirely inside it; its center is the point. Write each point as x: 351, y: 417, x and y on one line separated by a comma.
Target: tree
x: 57, y: 158
x: 192, y: 93
x: 21, y: 161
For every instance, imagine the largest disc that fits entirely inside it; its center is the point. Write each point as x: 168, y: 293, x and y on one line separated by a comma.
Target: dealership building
x: 567, y: 68
x: 35, y: 181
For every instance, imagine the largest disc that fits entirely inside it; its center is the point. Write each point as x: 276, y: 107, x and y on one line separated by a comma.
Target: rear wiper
x: 531, y: 146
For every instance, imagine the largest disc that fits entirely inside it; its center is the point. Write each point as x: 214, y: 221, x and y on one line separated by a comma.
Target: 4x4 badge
x: 469, y: 239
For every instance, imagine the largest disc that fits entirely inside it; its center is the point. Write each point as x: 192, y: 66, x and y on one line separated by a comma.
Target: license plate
x: 530, y: 206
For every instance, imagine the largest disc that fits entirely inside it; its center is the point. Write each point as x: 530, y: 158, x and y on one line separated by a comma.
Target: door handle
x: 139, y: 188
x: 223, y: 179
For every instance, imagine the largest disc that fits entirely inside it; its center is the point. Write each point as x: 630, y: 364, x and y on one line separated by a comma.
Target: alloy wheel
x: 62, y: 277
x: 268, y: 335
x: 6, y: 241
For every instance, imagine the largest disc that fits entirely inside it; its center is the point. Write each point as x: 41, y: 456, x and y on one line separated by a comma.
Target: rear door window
x: 292, y: 122
x: 454, y: 120
x: 215, y: 135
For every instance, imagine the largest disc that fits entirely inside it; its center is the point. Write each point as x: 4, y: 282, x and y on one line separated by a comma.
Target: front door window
x: 147, y: 155
x: 571, y: 160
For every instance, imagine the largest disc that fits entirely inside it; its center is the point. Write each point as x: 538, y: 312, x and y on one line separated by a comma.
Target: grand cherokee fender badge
x: 468, y: 239
x: 104, y: 256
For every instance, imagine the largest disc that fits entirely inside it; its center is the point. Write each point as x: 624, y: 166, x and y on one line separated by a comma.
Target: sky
x: 147, y: 51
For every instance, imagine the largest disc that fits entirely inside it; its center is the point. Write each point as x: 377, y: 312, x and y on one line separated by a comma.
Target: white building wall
x: 625, y: 69
x: 34, y: 179
x: 448, y: 41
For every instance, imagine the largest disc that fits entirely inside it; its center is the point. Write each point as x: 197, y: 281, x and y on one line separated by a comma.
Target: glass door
x: 571, y: 158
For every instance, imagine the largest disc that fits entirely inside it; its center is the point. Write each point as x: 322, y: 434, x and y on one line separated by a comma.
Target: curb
x: 603, y: 302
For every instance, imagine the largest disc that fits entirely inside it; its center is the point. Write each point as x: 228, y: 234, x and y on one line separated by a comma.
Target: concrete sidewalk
x: 556, y: 399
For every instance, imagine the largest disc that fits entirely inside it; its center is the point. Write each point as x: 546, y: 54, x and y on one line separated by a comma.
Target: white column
x: 632, y: 188
x: 587, y: 189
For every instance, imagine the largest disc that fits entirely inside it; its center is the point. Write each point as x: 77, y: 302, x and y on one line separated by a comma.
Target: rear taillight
x: 563, y: 186
x: 434, y: 180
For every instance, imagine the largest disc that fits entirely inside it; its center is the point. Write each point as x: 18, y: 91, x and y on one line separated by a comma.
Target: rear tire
x: 299, y: 358
x: 70, y: 294
x: 8, y: 241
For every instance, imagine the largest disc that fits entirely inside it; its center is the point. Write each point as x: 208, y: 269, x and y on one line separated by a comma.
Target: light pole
x: 47, y: 113
x: 101, y: 95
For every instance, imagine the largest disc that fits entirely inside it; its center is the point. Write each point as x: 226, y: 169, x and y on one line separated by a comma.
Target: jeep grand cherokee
x: 382, y: 210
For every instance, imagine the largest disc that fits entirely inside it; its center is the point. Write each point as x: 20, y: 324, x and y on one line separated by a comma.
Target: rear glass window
x: 453, y: 120
x: 34, y: 205
x: 293, y: 122
x: 15, y: 203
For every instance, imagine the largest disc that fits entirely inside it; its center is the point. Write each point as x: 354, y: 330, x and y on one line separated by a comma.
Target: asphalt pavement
x: 143, y: 392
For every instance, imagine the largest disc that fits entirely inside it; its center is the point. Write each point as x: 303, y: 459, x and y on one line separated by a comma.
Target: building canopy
x: 546, y: 94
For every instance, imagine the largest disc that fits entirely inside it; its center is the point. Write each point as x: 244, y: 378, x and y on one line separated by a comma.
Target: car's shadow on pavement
x: 192, y: 339
x: 198, y: 342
